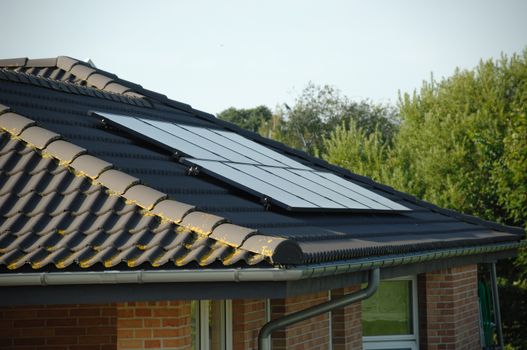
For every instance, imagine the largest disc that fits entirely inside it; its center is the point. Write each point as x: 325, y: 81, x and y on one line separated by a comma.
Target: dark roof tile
x: 4, y: 109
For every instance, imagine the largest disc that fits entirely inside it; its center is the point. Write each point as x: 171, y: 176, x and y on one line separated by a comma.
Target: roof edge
x: 275, y: 274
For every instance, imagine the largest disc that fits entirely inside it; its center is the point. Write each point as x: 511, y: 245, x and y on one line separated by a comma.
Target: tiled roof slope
x: 321, y: 236
x: 60, y: 206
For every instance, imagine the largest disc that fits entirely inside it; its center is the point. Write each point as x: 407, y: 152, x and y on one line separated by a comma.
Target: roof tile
x: 278, y: 249
x: 116, y: 88
x: 99, y: 80
x: 42, y: 62
x: 38, y: 137
x: 3, y: 108
x: 65, y: 62
x: 13, y: 62
x: 90, y: 165
x: 81, y: 71
x: 144, y: 196
x: 117, y: 181
x: 202, y: 223
x: 172, y: 210
x: 64, y: 151
x: 14, y: 123
x: 233, y: 235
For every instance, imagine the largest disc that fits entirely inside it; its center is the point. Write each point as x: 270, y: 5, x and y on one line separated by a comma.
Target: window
x: 211, y: 322
x: 389, y: 317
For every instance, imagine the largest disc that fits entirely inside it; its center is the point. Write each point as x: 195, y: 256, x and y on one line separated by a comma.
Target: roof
x: 80, y: 195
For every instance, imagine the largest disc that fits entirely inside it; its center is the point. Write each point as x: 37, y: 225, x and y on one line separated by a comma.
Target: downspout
x: 496, y: 302
x: 264, y: 337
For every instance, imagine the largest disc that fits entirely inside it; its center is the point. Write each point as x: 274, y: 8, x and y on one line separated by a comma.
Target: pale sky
x: 217, y: 54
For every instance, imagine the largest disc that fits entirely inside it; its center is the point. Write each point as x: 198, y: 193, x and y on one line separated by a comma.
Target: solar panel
x: 255, y: 168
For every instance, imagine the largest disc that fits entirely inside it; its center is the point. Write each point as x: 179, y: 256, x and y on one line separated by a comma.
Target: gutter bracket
x: 264, y: 337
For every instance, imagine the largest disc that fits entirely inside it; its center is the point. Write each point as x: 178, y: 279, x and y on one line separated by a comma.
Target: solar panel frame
x: 278, y: 179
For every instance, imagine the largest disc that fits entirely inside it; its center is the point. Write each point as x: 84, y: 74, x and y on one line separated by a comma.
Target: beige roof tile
x: 81, y: 71
x: 90, y: 166
x: 117, y: 181
x: 144, y: 196
x: 64, y: 151
x: 99, y: 80
x: 202, y: 223
x: 38, y: 137
x: 233, y: 235
x: 14, y: 123
x: 65, y: 62
x: 278, y: 249
x: 172, y: 210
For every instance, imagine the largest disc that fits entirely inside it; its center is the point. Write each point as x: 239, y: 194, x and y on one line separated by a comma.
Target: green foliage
x: 319, y: 110
x: 352, y: 148
x: 462, y: 141
x: 250, y: 119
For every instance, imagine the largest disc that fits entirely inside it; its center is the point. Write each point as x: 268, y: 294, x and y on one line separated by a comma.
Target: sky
x: 218, y: 54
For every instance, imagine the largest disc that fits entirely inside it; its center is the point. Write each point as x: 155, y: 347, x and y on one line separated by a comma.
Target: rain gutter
x: 275, y: 274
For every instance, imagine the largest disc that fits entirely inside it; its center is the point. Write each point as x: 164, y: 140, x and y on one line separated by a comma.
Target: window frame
x: 202, y: 339
x: 404, y: 340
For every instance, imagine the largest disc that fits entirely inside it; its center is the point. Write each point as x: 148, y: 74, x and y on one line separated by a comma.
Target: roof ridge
x: 92, y: 76
x: 153, y: 202
x: 69, y: 87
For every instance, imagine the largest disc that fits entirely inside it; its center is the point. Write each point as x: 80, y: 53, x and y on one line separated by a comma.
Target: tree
x: 462, y: 144
x: 353, y: 148
x: 319, y: 110
x: 251, y: 119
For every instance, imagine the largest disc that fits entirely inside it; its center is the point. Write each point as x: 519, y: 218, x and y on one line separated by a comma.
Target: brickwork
x: 57, y: 327
x: 154, y: 325
x: 311, y: 334
x: 449, y: 309
x: 346, y: 323
x: 248, y: 316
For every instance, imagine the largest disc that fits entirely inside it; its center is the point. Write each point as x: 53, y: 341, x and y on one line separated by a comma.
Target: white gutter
x: 276, y: 274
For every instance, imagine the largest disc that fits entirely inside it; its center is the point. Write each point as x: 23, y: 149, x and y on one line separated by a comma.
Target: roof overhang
x: 120, y: 286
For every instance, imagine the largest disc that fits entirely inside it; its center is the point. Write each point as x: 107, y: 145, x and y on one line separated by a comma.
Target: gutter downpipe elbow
x: 264, y: 337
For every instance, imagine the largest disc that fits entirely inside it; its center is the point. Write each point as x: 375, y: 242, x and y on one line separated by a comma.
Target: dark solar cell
x: 255, y: 168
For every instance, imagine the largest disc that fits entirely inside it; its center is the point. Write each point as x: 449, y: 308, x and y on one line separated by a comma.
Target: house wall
x: 75, y: 327
x: 449, y: 309
x: 448, y: 312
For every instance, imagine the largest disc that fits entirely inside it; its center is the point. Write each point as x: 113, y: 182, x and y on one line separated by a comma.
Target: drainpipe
x: 496, y: 302
x: 264, y: 337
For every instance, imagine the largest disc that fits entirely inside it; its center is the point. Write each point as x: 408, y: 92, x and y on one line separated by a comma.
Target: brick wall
x: 73, y: 327
x: 346, y: 323
x: 158, y: 325
x: 311, y: 334
x: 248, y: 316
x: 449, y: 309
